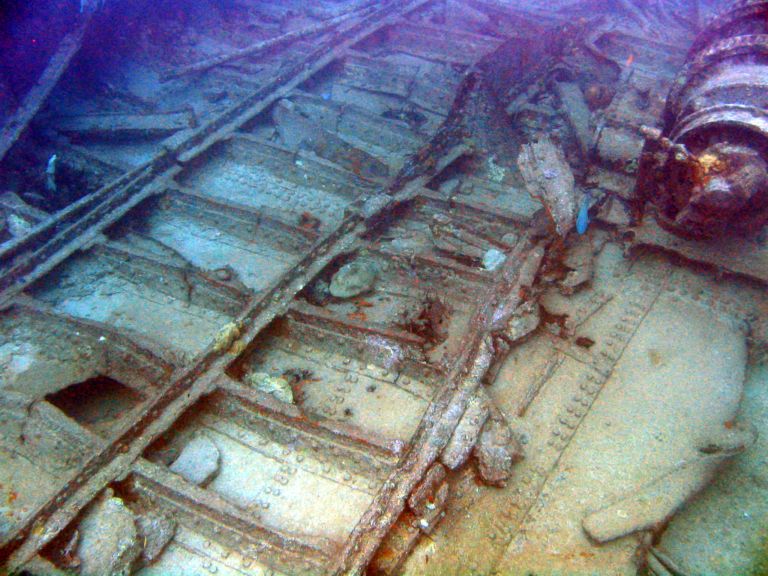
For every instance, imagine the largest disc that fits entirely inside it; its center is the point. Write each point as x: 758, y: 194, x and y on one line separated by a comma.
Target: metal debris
x: 523, y: 322
x: 14, y: 127
x: 579, y: 259
x: 105, y: 126
x: 578, y: 114
x: 549, y: 179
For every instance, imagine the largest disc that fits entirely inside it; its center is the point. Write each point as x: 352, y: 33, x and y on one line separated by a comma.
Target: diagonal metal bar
x: 36, y: 97
x: 269, y: 43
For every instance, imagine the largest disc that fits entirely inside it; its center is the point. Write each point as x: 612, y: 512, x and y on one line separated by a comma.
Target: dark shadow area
x: 97, y: 403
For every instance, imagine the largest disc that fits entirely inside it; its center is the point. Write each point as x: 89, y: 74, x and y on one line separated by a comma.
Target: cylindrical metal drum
x: 707, y: 172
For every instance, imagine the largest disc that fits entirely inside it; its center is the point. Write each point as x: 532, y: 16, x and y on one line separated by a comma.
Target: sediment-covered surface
x: 369, y: 287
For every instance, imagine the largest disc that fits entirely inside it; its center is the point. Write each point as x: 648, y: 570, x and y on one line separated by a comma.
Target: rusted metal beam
x: 269, y: 43
x: 148, y: 355
x: 345, y: 436
x: 321, y: 318
x: 371, y: 345
x: 468, y: 208
x: 211, y: 513
x: 183, y: 281
x: 55, y: 239
x: 36, y: 97
x: 185, y: 388
x: 14, y: 204
x: 185, y: 194
x: 124, y: 125
x: 189, y: 384
x: 444, y: 413
x: 442, y: 44
x: 428, y: 261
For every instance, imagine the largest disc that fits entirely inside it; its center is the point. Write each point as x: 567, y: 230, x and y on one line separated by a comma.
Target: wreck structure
x: 386, y: 287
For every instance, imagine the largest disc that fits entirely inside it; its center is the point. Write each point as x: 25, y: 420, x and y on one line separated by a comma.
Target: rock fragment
x: 493, y: 258
x: 227, y: 336
x: 353, y: 279
x: 155, y: 530
x: 198, y: 462
x: 465, y: 436
x: 18, y: 226
x: 277, y: 386
x: 109, y: 543
x: 497, y: 450
x: 580, y: 260
x: 524, y: 320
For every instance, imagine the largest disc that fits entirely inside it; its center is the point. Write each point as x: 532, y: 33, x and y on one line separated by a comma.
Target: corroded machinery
x: 706, y: 170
